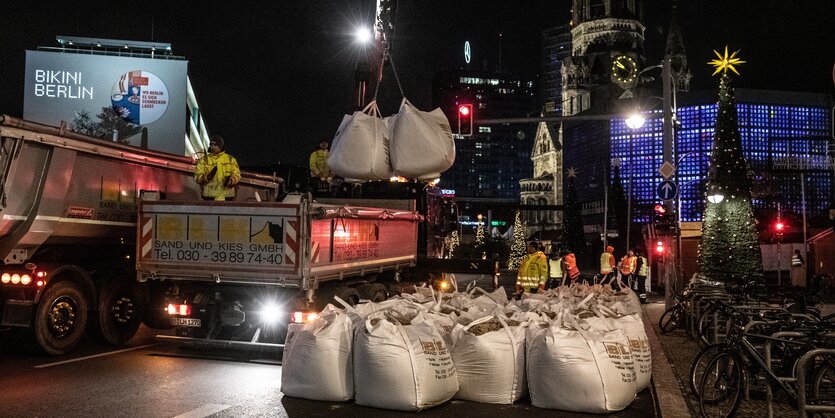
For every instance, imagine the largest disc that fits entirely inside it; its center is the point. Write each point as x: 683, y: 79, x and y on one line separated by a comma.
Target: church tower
x: 545, y: 188
x: 607, y: 54
x: 675, y: 50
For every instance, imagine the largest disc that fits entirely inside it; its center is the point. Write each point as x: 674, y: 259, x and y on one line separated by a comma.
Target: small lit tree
x: 454, y: 242
x: 479, y: 233
x: 518, y: 249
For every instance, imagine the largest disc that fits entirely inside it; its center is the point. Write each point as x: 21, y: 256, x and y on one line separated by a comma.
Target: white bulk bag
x: 490, y: 366
x: 360, y: 147
x: 421, y: 142
x: 317, y: 358
x: 579, y: 371
x: 402, y: 367
x: 633, y: 328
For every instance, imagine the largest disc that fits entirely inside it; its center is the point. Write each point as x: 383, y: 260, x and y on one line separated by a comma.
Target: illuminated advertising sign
x: 109, y: 97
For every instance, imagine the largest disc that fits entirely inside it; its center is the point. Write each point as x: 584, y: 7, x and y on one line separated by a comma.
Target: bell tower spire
x: 675, y: 50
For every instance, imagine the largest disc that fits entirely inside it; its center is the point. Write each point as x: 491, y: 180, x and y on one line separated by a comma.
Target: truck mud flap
x: 227, y: 344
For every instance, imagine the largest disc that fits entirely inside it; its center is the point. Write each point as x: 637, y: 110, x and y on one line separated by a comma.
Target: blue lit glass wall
x: 766, y: 131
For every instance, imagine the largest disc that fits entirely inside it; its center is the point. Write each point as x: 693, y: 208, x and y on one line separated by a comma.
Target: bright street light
x: 635, y: 121
x: 362, y: 35
x: 714, y: 195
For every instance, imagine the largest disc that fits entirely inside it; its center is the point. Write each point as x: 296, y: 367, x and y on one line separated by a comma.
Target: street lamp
x: 362, y: 35
x: 714, y: 195
x: 635, y: 121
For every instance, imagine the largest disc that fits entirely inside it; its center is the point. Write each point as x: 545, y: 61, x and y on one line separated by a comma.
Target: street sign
x: 667, y: 170
x: 667, y: 190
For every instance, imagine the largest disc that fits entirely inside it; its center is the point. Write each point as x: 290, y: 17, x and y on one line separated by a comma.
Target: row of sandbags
x: 580, y: 349
x: 410, y: 143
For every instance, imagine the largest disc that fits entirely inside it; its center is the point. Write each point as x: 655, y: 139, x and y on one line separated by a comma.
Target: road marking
x: 204, y: 411
x: 58, y: 363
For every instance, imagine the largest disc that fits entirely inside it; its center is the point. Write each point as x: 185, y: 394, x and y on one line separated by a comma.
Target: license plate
x: 186, y: 322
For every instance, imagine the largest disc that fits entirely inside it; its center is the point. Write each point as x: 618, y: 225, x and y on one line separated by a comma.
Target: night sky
x: 275, y: 77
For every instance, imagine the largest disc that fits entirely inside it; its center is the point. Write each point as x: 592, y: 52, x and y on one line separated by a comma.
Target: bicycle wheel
x: 720, y: 391
x: 671, y: 319
x: 823, y: 386
x: 699, y: 365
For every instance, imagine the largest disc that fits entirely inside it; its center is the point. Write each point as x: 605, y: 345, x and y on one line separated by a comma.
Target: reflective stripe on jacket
x: 627, y: 265
x: 533, y: 271
x: 797, y: 261
x: 227, y: 169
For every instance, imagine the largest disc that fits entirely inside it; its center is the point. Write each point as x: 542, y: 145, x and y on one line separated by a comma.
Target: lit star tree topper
x: 729, y: 250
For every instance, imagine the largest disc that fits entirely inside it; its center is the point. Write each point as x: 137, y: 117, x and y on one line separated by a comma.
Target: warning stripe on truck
x: 292, y: 248
x: 145, y: 238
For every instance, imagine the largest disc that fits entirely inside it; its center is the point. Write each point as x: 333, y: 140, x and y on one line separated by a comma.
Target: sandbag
x: 317, y: 358
x: 579, y: 371
x: 360, y: 147
x: 421, y: 142
x: 491, y: 363
x: 402, y: 367
x: 633, y: 328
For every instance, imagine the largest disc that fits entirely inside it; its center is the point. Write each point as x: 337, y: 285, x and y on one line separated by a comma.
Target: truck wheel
x: 348, y: 294
x: 60, y: 318
x: 119, y: 312
x: 375, y: 292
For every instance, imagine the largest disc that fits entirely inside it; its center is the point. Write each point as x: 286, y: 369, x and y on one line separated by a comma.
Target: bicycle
x: 729, y: 371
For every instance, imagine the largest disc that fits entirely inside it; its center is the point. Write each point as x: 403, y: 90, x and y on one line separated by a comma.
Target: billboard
x: 135, y: 101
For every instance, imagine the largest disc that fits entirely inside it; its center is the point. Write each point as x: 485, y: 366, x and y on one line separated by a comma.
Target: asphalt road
x: 150, y: 379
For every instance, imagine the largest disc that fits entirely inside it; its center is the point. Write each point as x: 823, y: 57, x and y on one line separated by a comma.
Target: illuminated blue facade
x: 771, y: 135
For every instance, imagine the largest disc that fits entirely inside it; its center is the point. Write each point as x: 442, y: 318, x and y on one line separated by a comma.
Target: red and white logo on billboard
x: 139, y: 97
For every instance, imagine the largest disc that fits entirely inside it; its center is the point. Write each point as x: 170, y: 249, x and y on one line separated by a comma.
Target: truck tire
x: 375, y: 292
x: 348, y: 294
x: 60, y: 318
x: 120, y: 310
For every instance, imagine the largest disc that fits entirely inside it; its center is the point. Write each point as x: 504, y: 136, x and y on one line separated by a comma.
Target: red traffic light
x: 465, y: 119
x: 659, y: 209
x: 659, y: 248
x: 779, y: 226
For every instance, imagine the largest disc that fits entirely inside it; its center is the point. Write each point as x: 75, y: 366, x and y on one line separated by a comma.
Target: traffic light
x: 779, y: 228
x: 663, y: 219
x: 465, y: 119
x: 659, y: 248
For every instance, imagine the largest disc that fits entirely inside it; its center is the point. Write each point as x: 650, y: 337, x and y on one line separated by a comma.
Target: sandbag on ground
x: 317, y: 358
x: 404, y: 367
x: 579, y: 371
x: 489, y: 356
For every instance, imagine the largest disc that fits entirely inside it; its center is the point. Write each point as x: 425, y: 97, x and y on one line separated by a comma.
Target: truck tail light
x: 15, y: 278
x: 6, y: 278
x: 18, y: 278
x: 302, y: 317
x: 184, y: 310
x: 25, y: 279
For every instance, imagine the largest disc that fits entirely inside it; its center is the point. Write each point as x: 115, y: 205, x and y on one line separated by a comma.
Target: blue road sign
x: 667, y: 190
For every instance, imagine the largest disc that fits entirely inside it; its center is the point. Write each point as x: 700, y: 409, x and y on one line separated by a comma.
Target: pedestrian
x: 798, y: 269
x: 607, y: 264
x: 627, y: 267
x: 533, y: 272
x: 641, y: 269
x: 555, y: 270
x: 570, y: 266
x: 320, y: 173
x: 217, y: 172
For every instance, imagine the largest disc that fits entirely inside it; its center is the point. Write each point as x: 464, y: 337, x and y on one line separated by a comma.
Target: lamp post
x: 669, y: 116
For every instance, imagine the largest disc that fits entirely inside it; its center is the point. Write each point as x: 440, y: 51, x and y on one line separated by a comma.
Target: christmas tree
x: 518, y: 249
x: 479, y: 233
x: 729, y: 250
x: 572, y: 222
x: 454, y: 242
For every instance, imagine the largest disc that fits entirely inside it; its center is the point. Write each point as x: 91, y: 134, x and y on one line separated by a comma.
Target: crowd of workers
x: 538, y: 272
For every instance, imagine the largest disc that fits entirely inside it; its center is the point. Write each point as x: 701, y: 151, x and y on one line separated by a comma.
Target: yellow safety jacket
x: 644, y: 269
x: 221, y: 186
x: 319, y: 164
x: 605, y: 263
x: 533, y: 272
x: 555, y: 268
